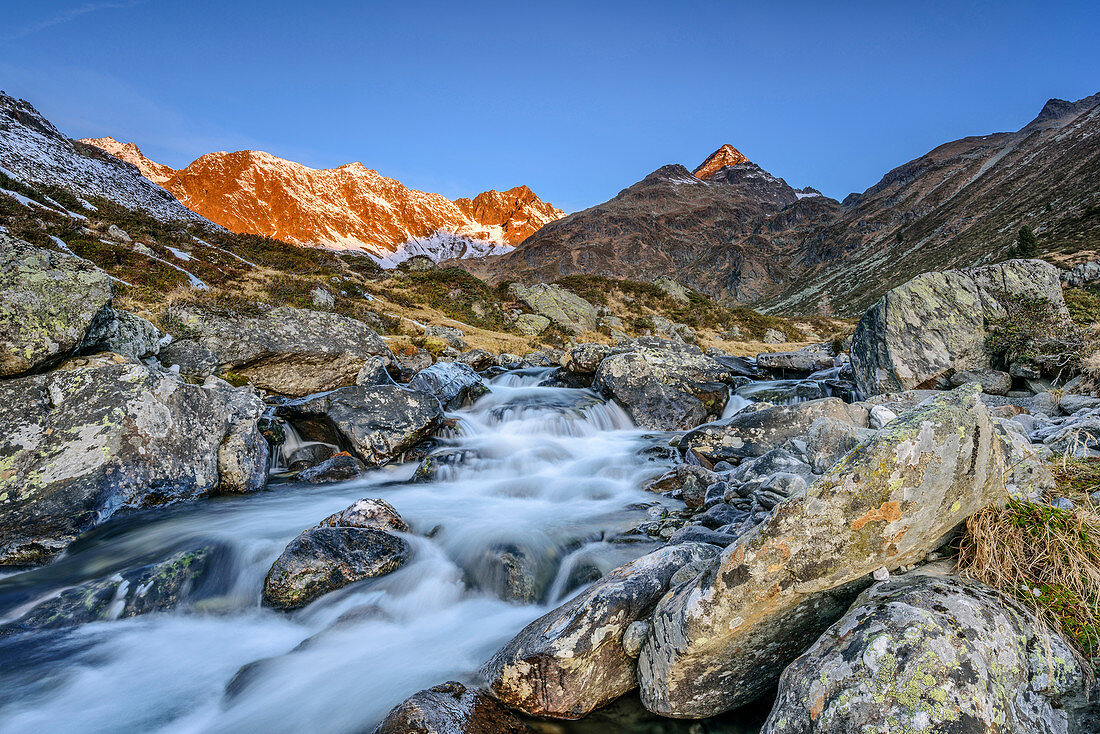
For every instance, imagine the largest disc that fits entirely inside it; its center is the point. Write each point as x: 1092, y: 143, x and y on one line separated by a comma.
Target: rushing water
x: 547, y: 474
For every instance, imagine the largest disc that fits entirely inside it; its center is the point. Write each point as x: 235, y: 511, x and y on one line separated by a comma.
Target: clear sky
x: 575, y: 99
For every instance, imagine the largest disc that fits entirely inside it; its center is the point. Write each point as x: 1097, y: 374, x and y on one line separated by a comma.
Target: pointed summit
x: 727, y: 155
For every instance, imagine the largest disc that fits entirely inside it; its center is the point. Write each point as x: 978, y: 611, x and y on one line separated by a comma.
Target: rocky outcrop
x: 807, y: 359
x: 665, y: 386
x: 564, y: 308
x: 289, y: 351
x: 454, y: 384
x: 376, y: 423
x: 51, y: 301
x: 756, y: 432
x: 937, y: 323
x: 324, y: 559
x: 451, y: 708
x: 922, y: 652
x: 720, y: 640
x: 572, y: 660
x: 98, y: 436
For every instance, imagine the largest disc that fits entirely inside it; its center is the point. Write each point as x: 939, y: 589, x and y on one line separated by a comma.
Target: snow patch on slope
x: 441, y: 245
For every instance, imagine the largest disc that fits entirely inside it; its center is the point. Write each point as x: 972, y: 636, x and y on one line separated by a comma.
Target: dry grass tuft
x: 1047, y: 558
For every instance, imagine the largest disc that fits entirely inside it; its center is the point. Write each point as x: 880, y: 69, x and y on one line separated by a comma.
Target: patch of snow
x: 24, y: 200
x: 801, y: 195
x: 227, y: 252
x: 185, y: 256
x: 60, y: 243
x: 442, y: 245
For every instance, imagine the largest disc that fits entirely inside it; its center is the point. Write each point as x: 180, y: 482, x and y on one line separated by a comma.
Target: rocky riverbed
x: 640, y: 536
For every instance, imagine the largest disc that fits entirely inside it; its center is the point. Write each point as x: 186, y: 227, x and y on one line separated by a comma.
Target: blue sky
x: 577, y: 100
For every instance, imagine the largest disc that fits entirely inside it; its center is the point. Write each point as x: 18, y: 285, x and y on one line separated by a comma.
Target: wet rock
x: 367, y: 513
x: 157, y: 587
x: 807, y: 359
x: 829, y: 439
x: 700, y: 534
x: 324, y: 559
x: 664, y: 386
x: 584, y: 359
x: 477, y: 359
x: 755, y: 433
x: 454, y: 384
x: 690, y: 480
x: 337, y: 468
x: 936, y: 324
x: 571, y: 660
x: 375, y: 423
x: 994, y: 382
x: 451, y: 708
x: 930, y: 653
x: 719, y: 641
x: 562, y: 307
x: 51, y: 301
x: 95, y: 437
x: 243, y: 458
x: 513, y: 573
x: 289, y: 351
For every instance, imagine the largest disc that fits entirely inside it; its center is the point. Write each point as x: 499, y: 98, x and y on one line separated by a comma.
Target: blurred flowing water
x: 539, y: 476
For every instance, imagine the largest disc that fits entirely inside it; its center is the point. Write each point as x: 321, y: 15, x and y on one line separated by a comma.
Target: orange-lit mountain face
x: 727, y: 155
x: 349, y: 207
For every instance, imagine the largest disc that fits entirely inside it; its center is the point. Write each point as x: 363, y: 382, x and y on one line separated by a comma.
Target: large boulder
x: 756, y: 432
x: 374, y: 422
x: 97, y: 436
x: 451, y: 708
x: 122, y: 333
x: 289, y: 351
x: 937, y: 323
x: 929, y: 653
x: 562, y: 307
x: 50, y: 301
x: 324, y: 559
x: 452, y: 383
x: 721, y: 640
x: 665, y: 386
x: 572, y: 660
x: 807, y: 359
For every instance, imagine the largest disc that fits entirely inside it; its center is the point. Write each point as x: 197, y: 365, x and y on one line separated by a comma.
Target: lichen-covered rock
x: 721, y: 640
x: 451, y: 708
x: 50, y: 301
x: 937, y: 323
x: 532, y: 324
x: 562, y: 307
x: 157, y: 587
x: 123, y: 333
x: 571, y: 660
x: 688, y: 480
x: 324, y: 559
x: 339, y: 467
x: 928, y: 653
x: 454, y: 384
x: 665, y: 386
x: 584, y: 359
x: 375, y: 423
x: 97, y: 436
x: 755, y: 433
x: 289, y: 351
x: 449, y: 334
x: 477, y: 359
x: 243, y: 458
